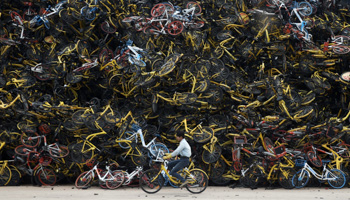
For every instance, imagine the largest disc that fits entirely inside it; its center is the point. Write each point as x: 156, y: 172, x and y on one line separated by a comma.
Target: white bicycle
x: 335, y: 177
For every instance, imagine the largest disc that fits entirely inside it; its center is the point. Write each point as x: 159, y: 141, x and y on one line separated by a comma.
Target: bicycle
x: 112, y: 179
x: 335, y: 177
x: 152, y: 180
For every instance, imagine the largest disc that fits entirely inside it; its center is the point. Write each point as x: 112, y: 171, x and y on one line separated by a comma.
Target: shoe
x: 184, y: 183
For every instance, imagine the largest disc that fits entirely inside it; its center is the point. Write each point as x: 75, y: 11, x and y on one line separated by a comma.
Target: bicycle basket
x: 45, y: 160
x: 240, y: 140
x: 280, y: 151
x: 300, y: 162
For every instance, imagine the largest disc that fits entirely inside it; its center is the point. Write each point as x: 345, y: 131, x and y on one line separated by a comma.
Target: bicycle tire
x: 314, y: 159
x: 128, y: 135
x: 198, y: 8
x: 339, y: 49
x: 58, y: 151
x: 79, y: 116
x: 15, y: 176
x: 307, y: 8
x: 300, y: 180
x: 105, y: 55
x: 157, y: 150
x: 83, y: 180
x: 118, y: 180
x: 22, y: 150
x: 212, y: 157
x: 47, y: 177
x: 254, y: 177
x: 5, y: 176
x: 175, y: 28
x: 151, y: 181
x: 77, y: 154
x: 340, y: 178
x: 112, y: 117
x: 286, y: 181
x: 158, y: 10
x: 30, y: 139
x: 108, y: 27
x: 88, y: 13
x: 140, y: 160
x: 198, y: 181
x: 204, y: 135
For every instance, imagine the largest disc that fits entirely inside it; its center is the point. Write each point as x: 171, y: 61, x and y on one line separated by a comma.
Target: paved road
x: 214, y: 193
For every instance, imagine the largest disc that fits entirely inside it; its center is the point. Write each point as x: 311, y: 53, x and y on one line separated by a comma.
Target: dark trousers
x: 177, y: 165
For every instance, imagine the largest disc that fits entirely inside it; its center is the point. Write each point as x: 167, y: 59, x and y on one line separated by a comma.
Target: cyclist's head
x: 180, y: 135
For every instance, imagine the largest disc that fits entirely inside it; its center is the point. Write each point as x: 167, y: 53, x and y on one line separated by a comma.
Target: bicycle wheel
x: 112, y: 117
x: 165, y: 69
x: 157, y: 150
x: 88, y: 13
x: 128, y: 135
x: 83, y: 180
x: 338, y: 49
x: 15, y: 176
x: 151, y: 181
x: 339, y: 178
x: 300, y: 179
x: 305, y: 8
x: 198, y: 181
x: 78, y: 117
x: 285, y: 177
x: 47, y: 176
x: 16, y: 18
x: 211, y: 157
x: 253, y: 177
x: 116, y: 181
x: 139, y: 156
x: 203, y: 135
x: 196, y: 6
x: 314, y: 159
x: 80, y: 153
x: 22, y: 150
x: 58, y: 150
x: 108, y: 27
x: 5, y: 175
x: 158, y: 10
x: 30, y: 139
x: 175, y: 28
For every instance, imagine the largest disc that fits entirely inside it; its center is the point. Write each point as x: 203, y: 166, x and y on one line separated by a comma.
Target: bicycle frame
x: 129, y: 177
x: 101, y: 178
x: 322, y: 176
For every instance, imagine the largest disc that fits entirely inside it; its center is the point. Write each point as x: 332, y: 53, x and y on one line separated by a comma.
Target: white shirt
x: 184, y: 149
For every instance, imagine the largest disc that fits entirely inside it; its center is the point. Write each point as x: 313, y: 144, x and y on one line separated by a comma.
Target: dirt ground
x: 125, y: 193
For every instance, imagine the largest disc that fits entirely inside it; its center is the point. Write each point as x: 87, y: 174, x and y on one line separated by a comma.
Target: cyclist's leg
x: 182, y: 163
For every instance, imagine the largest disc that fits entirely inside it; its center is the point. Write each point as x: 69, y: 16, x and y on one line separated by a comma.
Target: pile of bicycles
x: 99, y: 88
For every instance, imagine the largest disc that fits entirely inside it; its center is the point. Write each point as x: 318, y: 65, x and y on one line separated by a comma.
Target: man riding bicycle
x: 184, y: 150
